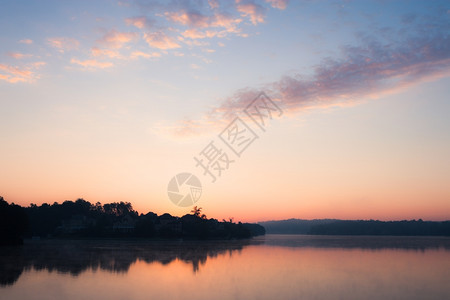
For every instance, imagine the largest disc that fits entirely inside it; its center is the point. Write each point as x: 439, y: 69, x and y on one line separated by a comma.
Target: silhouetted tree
x: 196, y: 211
x: 13, y: 223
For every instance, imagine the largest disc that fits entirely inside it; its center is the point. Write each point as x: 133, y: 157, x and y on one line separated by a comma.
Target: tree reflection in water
x: 77, y: 256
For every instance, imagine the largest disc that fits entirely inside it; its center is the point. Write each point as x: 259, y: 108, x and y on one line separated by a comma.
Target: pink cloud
x: 195, y: 43
x: 63, y: 43
x: 252, y: 10
x: 26, y: 41
x: 18, y: 55
x: 214, y: 4
x: 196, y: 34
x: 137, y: 54
x: 192, y: 19
x: 226, y: 21
x: 105, y: 52
x: 188, y: 128
x: 280, y: 4
x: 13, y: 74
x: 92, y: 63
x: 196, y: 20
x: 203, y: 19
x: 16, y: 71
x: 124, y: 3
x: 37, y: 64
x: 115, y: 39
x: 12, y: 79
x: 139, y: 22
x: 160, y: 40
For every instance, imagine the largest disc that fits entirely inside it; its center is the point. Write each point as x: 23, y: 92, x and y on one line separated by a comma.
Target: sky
x: 282, y: 109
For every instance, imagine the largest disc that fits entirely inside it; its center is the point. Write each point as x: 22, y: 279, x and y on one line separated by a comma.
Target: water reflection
x: 270, y: 267
x: 419, y: 243
x: 77, y: 256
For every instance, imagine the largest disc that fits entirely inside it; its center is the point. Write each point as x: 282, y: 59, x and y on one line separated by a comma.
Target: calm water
x: 270, y: 267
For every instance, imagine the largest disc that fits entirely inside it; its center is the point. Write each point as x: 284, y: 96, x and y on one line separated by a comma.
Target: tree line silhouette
x: 81, y: 218
x: 373, y: 227
x: 13, y: 223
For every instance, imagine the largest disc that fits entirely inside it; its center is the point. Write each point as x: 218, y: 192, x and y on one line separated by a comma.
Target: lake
x: 267, y: 267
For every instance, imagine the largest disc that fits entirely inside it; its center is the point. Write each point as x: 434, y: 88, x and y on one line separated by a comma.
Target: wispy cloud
x: 363, y: 72
x: 251, y: 9
x: 196, y: 20
x: 38, y: 64
x: 368, y: 70
x: 197, y: 34
x: 280, y: 4
x: 115, y: 39
x: 63, y: 43
x: 218, y: 26
x: 214, y: 4
x: 92, y: 64
x: 26, y: 41
x: 18, y: 55
x: 228, y: 22
x: 189, y: 18
x: 174, y: 24
x: 140, y: 22
x: 138, y: 54
x: 14, y: 74
x: 97, y: 52
x: 161, y: 40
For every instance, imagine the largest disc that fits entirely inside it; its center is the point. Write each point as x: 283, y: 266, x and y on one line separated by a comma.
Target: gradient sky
x: 108, y: 100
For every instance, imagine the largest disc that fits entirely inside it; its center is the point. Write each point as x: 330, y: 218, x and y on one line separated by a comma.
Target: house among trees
x: 169, y: 224
x: 75, y: 224
x: 125, y: 225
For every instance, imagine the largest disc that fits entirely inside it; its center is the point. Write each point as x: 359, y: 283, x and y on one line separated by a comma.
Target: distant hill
x: 292, y: 226
x: 358, y: 227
